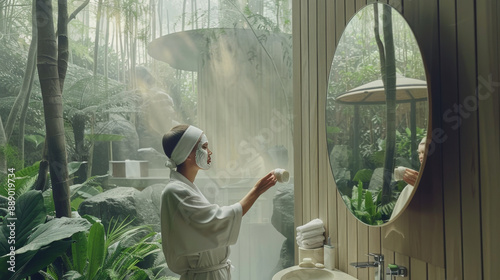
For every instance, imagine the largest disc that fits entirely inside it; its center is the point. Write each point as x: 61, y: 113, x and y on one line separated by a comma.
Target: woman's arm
x: 260, y: 187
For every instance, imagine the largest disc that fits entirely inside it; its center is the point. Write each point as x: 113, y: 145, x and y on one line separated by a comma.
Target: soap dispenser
x: 329, y: 255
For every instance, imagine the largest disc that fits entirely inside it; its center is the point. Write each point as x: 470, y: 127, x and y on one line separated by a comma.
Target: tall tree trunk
x: 160, y: 16
x: 40, y: 183
x: 168, y: 23
x: 96, y: 58
x: 208, y: 20
x: 26, y: 87
x: 133, y: 48
x: 62, y: 41
x: 53, y: 109
x: 120, y: 43
x: 75, y: 12
x: 24, y: 110
x: 41, y: 180
x: 22, y: 119
x: 183, y: 14
x: 389, y: 79
x: 153, y: 19
x: 106, y: 50
x: 97, y: 31
x: 78, y: 123
x: 2, y: 17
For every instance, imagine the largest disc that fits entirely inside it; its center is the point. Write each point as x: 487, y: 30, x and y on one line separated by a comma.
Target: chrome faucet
x: 378, y: 263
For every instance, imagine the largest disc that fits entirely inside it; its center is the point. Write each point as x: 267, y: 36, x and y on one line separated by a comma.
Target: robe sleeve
x: 195, y: 225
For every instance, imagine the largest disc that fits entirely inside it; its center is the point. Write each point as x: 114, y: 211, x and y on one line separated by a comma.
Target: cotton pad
x: 282, y: 175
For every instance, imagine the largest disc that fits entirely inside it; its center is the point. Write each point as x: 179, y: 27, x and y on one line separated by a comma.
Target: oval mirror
x: 376, y: 114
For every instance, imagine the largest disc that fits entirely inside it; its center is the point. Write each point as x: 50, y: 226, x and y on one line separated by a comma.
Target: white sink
x: 300, y: 273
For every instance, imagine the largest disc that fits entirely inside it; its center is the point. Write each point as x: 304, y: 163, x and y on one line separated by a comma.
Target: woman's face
x: 421, y: 152
x: 203, y: 153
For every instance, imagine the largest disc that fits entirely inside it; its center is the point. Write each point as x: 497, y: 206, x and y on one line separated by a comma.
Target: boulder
x: 283, y: 220
x: 153, y: 194
x: 122, y: 203
x: 339, y: 157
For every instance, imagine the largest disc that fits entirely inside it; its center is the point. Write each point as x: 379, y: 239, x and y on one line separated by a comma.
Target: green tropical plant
x: 78, y: 193
x: 30, y: 240
x: 115, y: 253
x: 366, y: 205
x: 26, y: 177
x: 24, y: 180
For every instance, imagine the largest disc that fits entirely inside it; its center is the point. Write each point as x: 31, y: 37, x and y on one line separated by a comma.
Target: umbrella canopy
x: 407, y: 90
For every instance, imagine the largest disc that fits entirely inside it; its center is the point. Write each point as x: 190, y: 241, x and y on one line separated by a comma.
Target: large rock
x: 122, y: 203
x: 283, y: 220
x: 339, y: 157
x: 153, y: 194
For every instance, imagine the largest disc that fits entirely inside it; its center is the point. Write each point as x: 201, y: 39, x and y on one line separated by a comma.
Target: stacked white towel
x: 310, y: 235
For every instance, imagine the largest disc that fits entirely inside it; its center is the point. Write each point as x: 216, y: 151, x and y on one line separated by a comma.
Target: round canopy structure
x: 182, y: 50
x: 407, y: 90
x: 243, y: 82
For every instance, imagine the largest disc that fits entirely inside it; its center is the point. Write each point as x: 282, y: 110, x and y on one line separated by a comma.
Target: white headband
x: 186, y: 144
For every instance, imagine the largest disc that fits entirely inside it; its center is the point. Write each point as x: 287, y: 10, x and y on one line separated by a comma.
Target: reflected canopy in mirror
x: 376, y: 114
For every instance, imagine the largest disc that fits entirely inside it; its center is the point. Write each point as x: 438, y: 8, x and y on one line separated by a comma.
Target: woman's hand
x: 265, y: 183
x: 260, y: 187
x: 410, y: 176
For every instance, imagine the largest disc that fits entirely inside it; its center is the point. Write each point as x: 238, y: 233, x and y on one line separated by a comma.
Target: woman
x: 410, y: 177
x: 196, y: 234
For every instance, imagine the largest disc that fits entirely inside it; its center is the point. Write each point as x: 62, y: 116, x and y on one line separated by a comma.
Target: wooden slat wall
x: 451, y: 227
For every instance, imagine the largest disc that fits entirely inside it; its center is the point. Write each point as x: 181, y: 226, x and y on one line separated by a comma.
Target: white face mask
x: 202, y: 154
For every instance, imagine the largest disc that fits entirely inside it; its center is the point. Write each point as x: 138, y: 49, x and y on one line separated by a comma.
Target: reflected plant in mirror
x: 376, y: 114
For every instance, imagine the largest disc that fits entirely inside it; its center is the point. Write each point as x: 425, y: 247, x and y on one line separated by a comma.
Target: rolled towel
x: 310, y: 233
x: 314, y: 224
x: 313, y: 240
x: 312, y: 246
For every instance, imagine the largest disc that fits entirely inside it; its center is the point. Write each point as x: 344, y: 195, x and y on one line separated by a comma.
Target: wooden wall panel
x: 313, y: 108
x: 374, y: 245
x: 342, y: 245
x: 305, y: 47
x: 425, y: 211
x: 360, y: 4
x: 297, y: 113
x: 469, y: 154
x: 352, y: 243
x: 323, y: 163
x: 396, y: 4
x: 363, y: 246
x: 435, y: 272
x: 451, y: 174
x: 350, y: 10
x: 452, y: 216
x: 340, y: 20
x: 488, y: 86
x: 417, y: 270
x: 332, y: 212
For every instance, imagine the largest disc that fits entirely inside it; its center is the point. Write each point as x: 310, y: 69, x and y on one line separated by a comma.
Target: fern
x: 24, y: 180
x: 387, y: 208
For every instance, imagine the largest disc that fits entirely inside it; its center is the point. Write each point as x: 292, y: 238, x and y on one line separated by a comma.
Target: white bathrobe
x: 403, y: 198
x: 196, y: 234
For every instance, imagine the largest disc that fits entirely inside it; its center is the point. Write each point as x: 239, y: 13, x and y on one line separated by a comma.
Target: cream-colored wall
x: 451, y: 229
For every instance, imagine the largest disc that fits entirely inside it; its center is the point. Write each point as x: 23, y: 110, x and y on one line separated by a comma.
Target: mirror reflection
x: 376, y: 114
